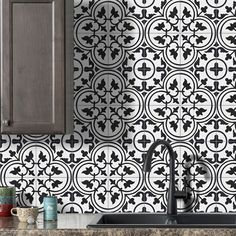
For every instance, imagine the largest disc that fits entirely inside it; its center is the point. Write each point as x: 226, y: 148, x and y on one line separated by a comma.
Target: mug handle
x: 12, y: 211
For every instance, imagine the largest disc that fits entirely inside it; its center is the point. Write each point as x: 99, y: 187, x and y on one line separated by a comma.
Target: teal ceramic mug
x: 7, y: 200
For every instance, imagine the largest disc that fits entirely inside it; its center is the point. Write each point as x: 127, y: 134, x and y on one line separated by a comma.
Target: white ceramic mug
x: 25, y: 213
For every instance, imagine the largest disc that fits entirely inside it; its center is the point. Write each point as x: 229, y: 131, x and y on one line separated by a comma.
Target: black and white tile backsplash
x: 144, y: 70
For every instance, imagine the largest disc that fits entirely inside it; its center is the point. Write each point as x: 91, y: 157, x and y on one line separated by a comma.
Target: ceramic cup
x: 5, y: 210
x: 25, y: 213
x: 7, y: 200
x: 7, y: 191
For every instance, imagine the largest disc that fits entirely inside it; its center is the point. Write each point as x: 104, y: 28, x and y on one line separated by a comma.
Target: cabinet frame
x: 62, y: 70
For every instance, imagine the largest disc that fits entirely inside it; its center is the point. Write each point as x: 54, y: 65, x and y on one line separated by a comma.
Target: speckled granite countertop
x: 75, y: 224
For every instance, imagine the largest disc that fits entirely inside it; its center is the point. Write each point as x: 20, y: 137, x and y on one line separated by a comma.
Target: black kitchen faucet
x: 172, y: 193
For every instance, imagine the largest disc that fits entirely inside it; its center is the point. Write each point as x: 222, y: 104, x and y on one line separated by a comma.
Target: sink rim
x: 97, y: 217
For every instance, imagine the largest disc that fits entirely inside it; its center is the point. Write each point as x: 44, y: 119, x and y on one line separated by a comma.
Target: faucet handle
x: 181, y: 194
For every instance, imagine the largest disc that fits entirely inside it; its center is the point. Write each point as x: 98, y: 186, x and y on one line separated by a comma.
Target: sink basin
x: 150, y: 220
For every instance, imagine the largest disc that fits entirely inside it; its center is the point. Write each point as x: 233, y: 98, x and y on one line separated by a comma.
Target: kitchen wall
x: 144, y: 70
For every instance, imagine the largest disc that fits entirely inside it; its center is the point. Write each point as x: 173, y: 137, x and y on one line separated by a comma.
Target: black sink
x: 150, y: 220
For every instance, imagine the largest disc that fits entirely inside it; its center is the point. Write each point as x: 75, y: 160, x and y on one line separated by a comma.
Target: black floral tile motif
x: 143, y: 70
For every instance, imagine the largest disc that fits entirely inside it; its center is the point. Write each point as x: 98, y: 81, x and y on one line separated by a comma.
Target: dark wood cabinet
x: 36, y: 66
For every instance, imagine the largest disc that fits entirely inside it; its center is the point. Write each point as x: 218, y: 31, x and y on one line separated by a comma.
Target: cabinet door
x: 32, y: 63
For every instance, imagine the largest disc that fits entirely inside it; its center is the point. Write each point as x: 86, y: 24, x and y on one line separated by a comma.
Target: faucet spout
x: 171, y: 200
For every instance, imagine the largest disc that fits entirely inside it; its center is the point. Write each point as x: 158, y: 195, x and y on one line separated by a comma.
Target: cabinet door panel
x: 32, y: 76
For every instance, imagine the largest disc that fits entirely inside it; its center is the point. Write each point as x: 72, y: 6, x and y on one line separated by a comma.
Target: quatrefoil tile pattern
x: 143, y: 70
